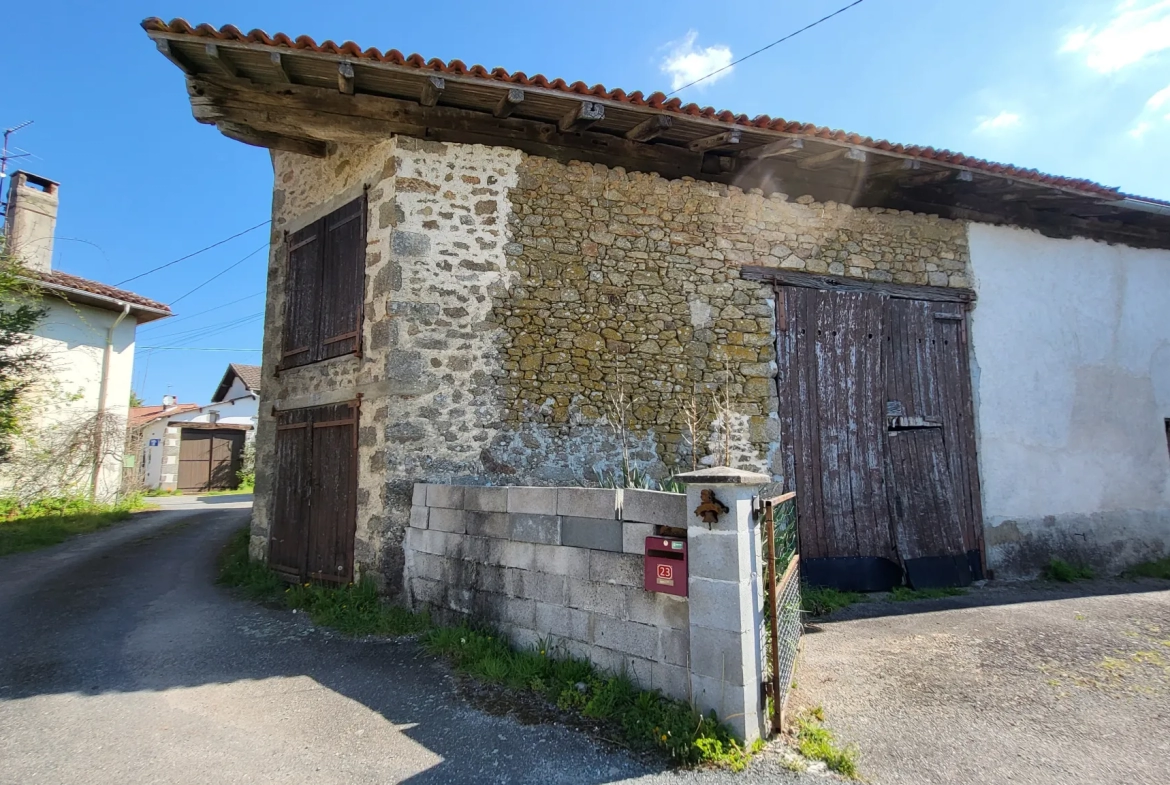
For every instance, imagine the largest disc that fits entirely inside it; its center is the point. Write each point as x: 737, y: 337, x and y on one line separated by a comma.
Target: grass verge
x: 1062, y: 571
x: 816, y: 742
x: 1158, y: 568
x: 646, y: 720
x: 51, y: 521
x: 160, y: 492
x: 233, y: 492
x: 821, y: 601
x: 906, y: 594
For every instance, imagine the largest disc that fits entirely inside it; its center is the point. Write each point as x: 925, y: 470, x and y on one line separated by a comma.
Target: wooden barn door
x: 878, y: 437
x: 194, y: 460
x: 314, y: 511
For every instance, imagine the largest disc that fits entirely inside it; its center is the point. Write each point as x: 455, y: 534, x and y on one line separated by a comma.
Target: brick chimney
x: 31, y: 220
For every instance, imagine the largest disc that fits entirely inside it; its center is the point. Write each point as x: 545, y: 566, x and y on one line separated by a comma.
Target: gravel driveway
x: 121, y: 661
x: 1023, y: 684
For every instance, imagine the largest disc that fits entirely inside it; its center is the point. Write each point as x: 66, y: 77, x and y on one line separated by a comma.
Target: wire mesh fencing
x: 782, y: 601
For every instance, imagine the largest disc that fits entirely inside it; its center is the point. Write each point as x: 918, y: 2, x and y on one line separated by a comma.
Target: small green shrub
x: 1158, y: 568
x: 906, y: 594
x: 816, y: 742
x: 821, y: 601
x: 1060, y: 570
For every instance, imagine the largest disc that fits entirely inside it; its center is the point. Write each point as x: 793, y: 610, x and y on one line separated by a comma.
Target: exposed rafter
x: 221, y: 61
x: 432, y: 89
x: 509, y: 102
x: 650, y: 128
x: 717, y: 141
x: 581, y: 117
x: 345, y: 77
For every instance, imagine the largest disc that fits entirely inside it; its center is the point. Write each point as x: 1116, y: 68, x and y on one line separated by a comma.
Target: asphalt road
x: 122, y: 662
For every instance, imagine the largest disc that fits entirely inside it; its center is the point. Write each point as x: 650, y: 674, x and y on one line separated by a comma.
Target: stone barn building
x: 485, y: 278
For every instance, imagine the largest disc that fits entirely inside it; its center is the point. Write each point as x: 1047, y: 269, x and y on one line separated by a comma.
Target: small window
x: 324, y: 287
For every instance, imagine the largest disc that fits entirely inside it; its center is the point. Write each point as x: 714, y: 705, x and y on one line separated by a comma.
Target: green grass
x: 54, y: 520
x: 1060, y: 570
x: 647, y: 720
x: 821, y: 601
x: 816, y: 742
x: 161, y: 492
x: 1158, y: 568
x: 906, y: 594
x: 234, y: 492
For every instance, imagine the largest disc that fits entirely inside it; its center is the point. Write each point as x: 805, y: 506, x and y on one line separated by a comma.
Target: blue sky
x: 1072, y: 88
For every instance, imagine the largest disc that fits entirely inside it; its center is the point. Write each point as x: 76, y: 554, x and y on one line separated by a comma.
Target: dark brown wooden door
x: 315, y: 493
x: 878, y: 438
x: 209, y: 459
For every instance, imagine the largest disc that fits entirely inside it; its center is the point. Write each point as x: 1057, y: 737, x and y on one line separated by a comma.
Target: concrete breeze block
x: 419, y: 495
x: 450, y: 496
x: 672, y: 680
x: 674, y: 647
x: 634, y: 536
x: 621, y: 568
x: 602, y: 598
x: 485, y: 499
x: 418, y: 517
x: 638, y: 640
x: 719, y: 654
x: 655, y: 507
x: 532, y: 499
x: 720, y: 605
x: 661, y: 610
x: 527, y: 527
x: 563, y: 560
x: 532, y: 585
x: 588, y: 502
x: 603, y: 535
x: 718, y: 555
x: 488, y: 524
x: 445, y: 519
x: 563, y: 622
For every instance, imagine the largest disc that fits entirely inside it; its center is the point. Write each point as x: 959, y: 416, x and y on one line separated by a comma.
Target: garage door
x: 209, y: 459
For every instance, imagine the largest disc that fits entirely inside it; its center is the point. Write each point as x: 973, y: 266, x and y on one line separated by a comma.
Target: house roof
x: 248, y: 374
x: 295, y: 94
x: 100, y: 295
x: 142, y: 415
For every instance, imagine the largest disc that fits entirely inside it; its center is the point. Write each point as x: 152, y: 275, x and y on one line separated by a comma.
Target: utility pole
x: 6, y: 156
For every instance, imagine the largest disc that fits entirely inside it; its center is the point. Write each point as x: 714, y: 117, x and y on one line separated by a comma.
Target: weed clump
x: 821, y: 601
x: 1062, y: 571
x: 1158, y: 568
x: 816, y: 742
x: 906, y: 594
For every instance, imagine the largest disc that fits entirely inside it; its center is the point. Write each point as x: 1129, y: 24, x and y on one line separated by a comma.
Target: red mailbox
x: 666, y: 566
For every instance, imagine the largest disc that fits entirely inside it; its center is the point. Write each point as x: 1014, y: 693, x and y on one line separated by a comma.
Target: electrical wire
x: 195, y: 349
x: 765, y: 48
x: 196, y: 253
x: 169, y: 322
x: 221, y: 272
x: 213, y: 325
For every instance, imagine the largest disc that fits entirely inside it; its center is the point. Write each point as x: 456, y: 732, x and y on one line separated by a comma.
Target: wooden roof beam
x: 774, y: 149
x: 172, y: 54
x: 896, y: 166
x: 278, y: 68
x: 432, y: 88
x: 581, y: 117
x: 222, y: 62
x: 509, y: 102
x: 822, y: 160
x: 345, y: 77
x: 242, y: 133
x: 650, y: 128
x: 716, y: 141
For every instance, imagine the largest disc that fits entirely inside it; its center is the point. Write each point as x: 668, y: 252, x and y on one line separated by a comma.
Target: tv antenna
x: 6, y: 155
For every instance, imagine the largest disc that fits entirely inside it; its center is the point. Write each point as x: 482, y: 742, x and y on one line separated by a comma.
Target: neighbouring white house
x: 74, y: 434
x: 193, y: 448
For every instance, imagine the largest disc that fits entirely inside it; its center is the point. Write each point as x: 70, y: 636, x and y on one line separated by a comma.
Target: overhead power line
x: 221, y: 272
x: 170, y: 322
x: 196, y: 253
x: 207, y: 327
x: 195, y: 349
x: 766, y: 48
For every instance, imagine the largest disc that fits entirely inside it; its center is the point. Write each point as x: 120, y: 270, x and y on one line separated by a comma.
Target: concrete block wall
x: 562, y: 565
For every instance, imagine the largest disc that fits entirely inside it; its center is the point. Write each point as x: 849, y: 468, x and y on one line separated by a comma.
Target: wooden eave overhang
x: 302, y: 100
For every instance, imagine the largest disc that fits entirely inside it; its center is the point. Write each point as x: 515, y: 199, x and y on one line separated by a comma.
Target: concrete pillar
x: 726, y: 604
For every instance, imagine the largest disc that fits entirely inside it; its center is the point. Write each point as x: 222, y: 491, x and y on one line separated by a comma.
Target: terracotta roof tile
x: 656, y: 100
x: 93, y: 287
x: 249, y: 375
x: 141, y: 415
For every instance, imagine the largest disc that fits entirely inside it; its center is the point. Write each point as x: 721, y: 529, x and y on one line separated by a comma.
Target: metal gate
x: 209, y: 459
x: 314, y: 512
x: 878, y: 430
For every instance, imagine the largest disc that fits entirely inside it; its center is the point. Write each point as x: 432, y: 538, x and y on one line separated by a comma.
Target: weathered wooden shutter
x: 301, y: 296
x: 288, y: 532
x: 343, y: 279
x: 333, y: 494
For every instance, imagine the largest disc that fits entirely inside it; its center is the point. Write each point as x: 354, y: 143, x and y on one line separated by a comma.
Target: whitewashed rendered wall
x: 73, y: 339
x: 1071, y: 343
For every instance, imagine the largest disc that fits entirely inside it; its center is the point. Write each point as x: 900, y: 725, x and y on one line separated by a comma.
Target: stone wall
x: 558, y: 565
x: 509, y: 296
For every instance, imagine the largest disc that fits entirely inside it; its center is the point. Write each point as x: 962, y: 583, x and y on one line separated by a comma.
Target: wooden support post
x: 221, y: 62
x: 724, y: 139
x: 281, y: 71
x: 581, y: 117
x: 774, y: 149
x: 508, y: 102
x: 345, y: 77
x: 432, y: 89
x: 649, y: 128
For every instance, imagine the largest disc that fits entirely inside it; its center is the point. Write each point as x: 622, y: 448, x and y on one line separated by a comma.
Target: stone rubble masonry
x: 509, y: 298
x: 502, y: 556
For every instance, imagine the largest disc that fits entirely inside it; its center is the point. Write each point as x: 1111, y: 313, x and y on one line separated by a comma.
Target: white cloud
x: 1001, y: 122
x: 1156, y: 113
x: 686, y: 62
x: 1137, y: 29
